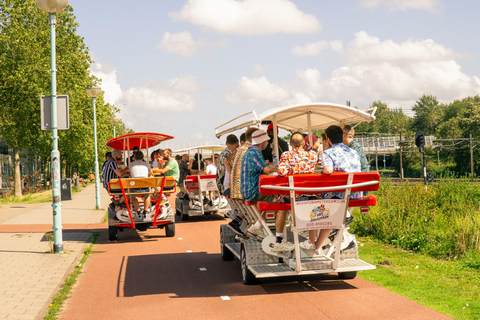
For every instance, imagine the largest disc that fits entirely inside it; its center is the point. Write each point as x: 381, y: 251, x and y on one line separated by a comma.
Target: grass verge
x: 69, y: 282
x: 44, y: 196
x: 449, y: 287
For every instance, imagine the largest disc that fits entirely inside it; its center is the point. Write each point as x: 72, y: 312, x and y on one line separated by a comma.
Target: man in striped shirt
x: 111, y: 170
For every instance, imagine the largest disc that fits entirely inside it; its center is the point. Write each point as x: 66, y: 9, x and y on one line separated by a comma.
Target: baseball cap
x: 270, y: 127
x: 314, y: 138
x: 136, y: 149
x: 259, y: 136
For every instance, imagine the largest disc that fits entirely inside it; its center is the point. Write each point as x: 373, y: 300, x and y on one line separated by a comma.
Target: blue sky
x: 185, y: 67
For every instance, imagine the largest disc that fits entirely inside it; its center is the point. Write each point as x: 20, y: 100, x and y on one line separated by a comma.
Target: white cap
x: 259, y: 136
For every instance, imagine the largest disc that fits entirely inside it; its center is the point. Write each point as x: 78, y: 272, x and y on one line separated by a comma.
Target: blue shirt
x: 342, y: 159
x: 253, y: 164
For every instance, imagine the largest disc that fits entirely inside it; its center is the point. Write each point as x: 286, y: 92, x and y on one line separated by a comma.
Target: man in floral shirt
x: 295, y: 161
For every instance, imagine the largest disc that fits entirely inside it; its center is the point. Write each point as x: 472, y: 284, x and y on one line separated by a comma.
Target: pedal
x: 235, y: 231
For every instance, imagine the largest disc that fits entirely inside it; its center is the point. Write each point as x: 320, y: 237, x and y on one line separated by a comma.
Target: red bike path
x: 145, y: 275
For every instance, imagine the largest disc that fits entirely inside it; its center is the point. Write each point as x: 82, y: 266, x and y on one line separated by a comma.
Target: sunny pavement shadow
x: 181, y: 276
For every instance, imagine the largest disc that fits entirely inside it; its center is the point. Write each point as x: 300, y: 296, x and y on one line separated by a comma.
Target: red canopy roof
x: 138, y: 139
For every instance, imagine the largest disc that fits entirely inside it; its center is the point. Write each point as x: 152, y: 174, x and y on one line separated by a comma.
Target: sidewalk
x: 30, y: 276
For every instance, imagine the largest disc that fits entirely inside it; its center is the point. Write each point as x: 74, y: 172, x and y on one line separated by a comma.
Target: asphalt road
x: 145, y: 275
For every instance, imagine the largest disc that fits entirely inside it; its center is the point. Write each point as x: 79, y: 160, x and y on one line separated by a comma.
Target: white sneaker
x: 307, y: 245
x: 319, y: 253
x: 283, y: 246
x: 256, y: 232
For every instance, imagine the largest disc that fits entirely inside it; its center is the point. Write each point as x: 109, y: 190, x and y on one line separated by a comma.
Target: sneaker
x: 144, y: 214
x: 319, y: 253
x: 139, y: 214
x: 307, y: 245
x: 283, y: 246
x: 349, y: 220
x: 256, y: 232
x: 235, y: 227
x: 205, y: 201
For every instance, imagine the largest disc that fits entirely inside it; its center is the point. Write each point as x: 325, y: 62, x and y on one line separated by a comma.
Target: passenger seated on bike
x: 295, y: 161
x: 194, y: 167
x: 235, y: 180
x: 140, y: 169
x: 253, y: 165
x: 338, y: 157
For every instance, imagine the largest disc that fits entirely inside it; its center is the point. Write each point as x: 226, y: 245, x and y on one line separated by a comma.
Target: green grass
x: 44, y: 196
x: 449, y: 287
x: 70, y: 282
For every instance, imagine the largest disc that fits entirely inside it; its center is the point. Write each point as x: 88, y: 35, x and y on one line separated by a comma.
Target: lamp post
x: 114, y: 123
x: 93, y: 93
x: 52, y: 7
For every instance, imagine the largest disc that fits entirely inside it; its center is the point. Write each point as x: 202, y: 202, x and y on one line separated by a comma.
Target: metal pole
x: 55, y: 155
x: 97, y: 182
x: 471, y: 155
x: 401, y: 158
x: 114, y: 130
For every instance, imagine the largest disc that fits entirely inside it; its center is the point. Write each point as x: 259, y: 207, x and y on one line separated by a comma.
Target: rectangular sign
x: 319, y: 214
x: 209, y: 184
x: 63, y: 120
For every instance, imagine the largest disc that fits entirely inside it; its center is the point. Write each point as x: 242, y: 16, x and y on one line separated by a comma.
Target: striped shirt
x: 108, y: 172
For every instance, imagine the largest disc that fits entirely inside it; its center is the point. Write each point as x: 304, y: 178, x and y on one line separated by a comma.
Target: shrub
x: 442, y: 221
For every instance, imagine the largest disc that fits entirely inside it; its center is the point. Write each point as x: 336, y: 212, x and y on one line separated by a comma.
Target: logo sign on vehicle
x: 209, y: 184
x: 319, y: 214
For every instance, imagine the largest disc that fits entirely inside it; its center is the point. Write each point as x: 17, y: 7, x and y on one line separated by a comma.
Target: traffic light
x: 420, y: 139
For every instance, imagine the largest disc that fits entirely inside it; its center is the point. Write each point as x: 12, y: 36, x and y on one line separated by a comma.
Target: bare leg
x: 280, y: 221
x: 321, y: 238
x: 146, y: 205
x: 312, y: 235
x: 135, y: 203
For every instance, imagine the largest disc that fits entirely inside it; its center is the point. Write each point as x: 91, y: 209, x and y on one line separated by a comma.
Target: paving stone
x: 30, y: 275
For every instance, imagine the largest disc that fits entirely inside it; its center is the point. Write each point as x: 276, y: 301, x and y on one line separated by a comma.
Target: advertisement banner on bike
x: 208, y: 184
x: 319, y: 214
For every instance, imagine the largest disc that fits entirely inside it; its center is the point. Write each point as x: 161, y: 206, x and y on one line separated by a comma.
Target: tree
x: 391, y: 121
x: 428, y: 114
x: 25, y: 76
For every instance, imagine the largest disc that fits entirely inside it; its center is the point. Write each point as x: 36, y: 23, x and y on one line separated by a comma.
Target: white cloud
x: 256, y: 90
x: 180, y: 43
x: 175, y: 96
x: 248, y: 17
x: 396, y: 73
x: 316, y: 48
x: 109, y: 84
x: 433, y: 6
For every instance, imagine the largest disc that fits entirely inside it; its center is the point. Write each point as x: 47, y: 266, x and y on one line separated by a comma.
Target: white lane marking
x: 189, y: 250
x: 203, y: 269
x: 225, y: 297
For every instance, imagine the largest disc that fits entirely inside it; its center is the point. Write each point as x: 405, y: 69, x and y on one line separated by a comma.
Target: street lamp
x: 114, y: 123
x: 93, y: 93
x: 52, y: 7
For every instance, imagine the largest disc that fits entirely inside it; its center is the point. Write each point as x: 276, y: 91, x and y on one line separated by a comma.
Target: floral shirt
x: 342, y: 159
x: 253, y: 164
x: 297, y: 161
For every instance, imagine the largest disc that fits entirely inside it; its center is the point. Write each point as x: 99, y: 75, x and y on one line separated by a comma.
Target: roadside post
x: 420, y: 143
x: 52, y: 8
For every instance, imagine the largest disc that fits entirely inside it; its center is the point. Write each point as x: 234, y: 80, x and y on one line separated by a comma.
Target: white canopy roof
x: 211, y: 148
x: 295, y: 117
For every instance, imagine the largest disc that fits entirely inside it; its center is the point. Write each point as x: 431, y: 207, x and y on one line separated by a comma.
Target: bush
x: 443, y: 221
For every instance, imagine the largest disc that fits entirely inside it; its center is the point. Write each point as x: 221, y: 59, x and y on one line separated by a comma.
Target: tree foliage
x: 25, y: 76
